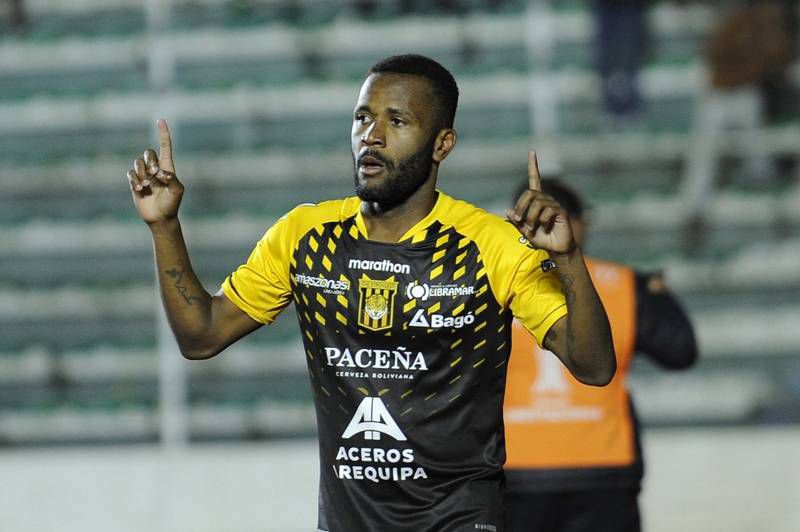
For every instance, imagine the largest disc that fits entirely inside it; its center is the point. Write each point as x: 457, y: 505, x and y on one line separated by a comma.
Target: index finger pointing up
x: 164, y: 146
x: 534, y: 179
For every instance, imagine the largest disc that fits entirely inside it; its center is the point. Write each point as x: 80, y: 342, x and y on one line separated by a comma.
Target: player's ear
x: 444, y: 144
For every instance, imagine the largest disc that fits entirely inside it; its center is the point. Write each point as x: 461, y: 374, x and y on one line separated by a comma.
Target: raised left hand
x: 540, y: 218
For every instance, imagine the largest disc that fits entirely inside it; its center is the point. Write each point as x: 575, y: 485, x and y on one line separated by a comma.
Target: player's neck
x: 390, y: 225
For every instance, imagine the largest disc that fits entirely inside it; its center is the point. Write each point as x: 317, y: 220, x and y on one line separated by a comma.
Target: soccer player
x: 404, y: 296
x: 574, y: 458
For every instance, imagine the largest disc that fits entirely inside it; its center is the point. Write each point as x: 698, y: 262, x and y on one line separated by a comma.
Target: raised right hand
x: 155, y: 188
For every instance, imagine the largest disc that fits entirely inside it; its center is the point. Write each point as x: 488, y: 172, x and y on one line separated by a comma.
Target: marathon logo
x: 384, y: 265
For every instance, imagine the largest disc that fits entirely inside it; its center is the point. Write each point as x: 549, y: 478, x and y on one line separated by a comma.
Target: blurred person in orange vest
x: 574, y: 459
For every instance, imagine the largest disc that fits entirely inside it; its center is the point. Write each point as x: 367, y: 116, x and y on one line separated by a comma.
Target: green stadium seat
x: 75, y: 383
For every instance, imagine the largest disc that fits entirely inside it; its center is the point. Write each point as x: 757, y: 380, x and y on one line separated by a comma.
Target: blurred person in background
x: 404, y: 298
x: 752, y: 44
x: 621, y: 36
x: 574, y: 456
x: 17, y: 17
x: 748, y: 56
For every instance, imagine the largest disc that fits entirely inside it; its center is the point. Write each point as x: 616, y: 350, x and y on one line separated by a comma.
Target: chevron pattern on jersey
x: 456, y: 262
x: 329, y: 307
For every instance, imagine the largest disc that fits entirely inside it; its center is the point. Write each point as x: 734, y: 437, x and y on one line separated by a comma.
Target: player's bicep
x: 555, y: 341
x: 228, y: 322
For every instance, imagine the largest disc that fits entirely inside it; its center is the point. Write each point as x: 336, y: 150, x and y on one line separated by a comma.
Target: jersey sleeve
x: 260, y: 287
x: 535, y: 296
x: 514, y: 269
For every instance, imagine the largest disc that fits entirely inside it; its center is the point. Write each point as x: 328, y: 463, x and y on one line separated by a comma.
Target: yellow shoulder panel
x: 513, y: 267
x: 260, y: 287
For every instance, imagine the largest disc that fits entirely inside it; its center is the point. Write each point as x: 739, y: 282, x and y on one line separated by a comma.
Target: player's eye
x: 362, y: 118
x: 398, y: 122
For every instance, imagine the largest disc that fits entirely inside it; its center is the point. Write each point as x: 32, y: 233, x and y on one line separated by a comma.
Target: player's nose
x: 374, y: 135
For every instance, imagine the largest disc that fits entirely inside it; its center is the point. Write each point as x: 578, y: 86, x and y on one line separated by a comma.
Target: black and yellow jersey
x: 406, y: 346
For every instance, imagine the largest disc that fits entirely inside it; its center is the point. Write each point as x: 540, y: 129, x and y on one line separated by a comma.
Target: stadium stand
x: 260, y: 99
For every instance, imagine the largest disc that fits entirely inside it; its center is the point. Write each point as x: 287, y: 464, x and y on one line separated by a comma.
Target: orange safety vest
x: 554, y: 421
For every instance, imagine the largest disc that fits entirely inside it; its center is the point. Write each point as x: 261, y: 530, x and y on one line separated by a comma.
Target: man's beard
x: 401, y: 181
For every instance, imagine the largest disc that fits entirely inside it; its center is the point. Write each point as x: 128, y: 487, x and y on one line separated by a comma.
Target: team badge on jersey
x: 376, y: 303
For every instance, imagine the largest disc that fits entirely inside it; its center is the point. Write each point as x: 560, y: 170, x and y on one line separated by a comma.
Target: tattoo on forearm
x: 568, y: 282
x: 177, y: 275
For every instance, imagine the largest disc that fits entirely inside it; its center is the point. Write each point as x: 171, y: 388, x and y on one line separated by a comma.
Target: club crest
x: 376, y: 303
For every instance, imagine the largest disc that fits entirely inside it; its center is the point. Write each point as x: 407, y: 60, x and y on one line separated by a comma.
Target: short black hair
x: 444, y: 85
x: 565, y: 195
